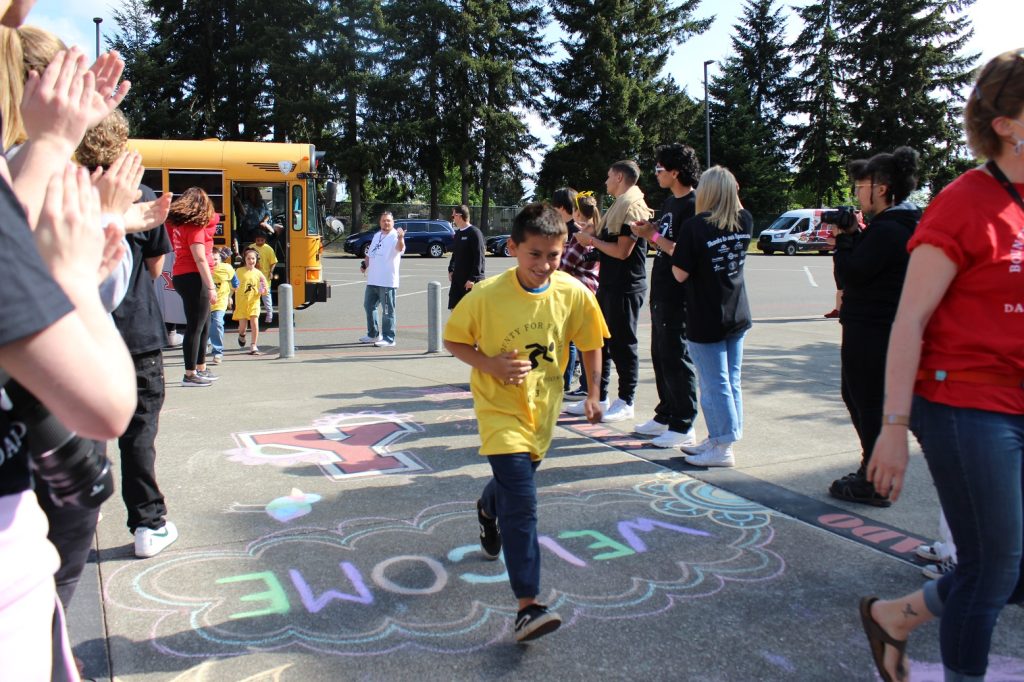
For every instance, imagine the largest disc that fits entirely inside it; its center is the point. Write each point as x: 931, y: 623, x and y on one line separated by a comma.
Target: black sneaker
x: 535, y: 621
x: 194, y: 380
x: 490, y: 536
x: 856, y: 488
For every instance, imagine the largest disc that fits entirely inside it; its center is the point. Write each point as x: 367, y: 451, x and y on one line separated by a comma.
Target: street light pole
x: 707, y: 115
x: 98, y: 21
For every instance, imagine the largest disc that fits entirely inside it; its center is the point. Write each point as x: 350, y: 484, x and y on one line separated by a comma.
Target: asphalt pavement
x: 326, y: 510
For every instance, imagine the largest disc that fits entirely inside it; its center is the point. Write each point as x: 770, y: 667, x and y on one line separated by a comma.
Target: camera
x: 76, y: 473
x: 843, y: 217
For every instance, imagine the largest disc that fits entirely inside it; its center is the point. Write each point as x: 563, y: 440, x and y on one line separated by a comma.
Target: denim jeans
x: 575, y: 356
x: 511, y: 497
x: 718, y: 373
x: 385, y: 298
x: 975, y: 458
x: 217, y: 331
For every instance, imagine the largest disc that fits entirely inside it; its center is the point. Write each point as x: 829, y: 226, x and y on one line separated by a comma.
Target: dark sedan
x: 424, y: 237
x: 498, y: 245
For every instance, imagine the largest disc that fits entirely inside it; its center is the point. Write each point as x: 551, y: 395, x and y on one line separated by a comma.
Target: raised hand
x: 119, y: 185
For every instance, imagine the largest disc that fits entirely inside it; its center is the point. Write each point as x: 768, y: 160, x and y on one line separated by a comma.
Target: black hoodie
x: 873, y: 264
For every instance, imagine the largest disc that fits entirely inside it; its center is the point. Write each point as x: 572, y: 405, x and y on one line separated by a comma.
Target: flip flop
x: 255, y: 352
x: 878, y: 639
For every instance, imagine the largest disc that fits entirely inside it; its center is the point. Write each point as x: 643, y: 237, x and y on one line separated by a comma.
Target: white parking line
x: 413, y: 293
x: 810, y: 277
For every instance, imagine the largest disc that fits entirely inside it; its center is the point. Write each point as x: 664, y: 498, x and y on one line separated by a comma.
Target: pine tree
x: 821, y: 139
x: 904, y: 72
x: 608, y: 84
x: 147, y: 111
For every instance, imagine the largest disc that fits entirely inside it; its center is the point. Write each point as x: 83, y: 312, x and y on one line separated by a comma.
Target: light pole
x: 99, y: 20
x: 707, y: 115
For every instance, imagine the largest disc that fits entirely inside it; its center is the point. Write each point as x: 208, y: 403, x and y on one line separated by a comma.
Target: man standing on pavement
x: 622, y: 283
x: 677, y: 170
x: 380, y: 265
x: 466, y: 267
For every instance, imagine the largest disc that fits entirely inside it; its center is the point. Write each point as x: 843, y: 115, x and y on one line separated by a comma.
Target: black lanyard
x: 1001, y: 178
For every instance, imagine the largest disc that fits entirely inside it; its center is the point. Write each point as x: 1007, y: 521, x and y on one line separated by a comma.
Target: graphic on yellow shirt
x: 251, y: 285
x: 268, y: 259
x: 500, y: 317
x: 222, y: 276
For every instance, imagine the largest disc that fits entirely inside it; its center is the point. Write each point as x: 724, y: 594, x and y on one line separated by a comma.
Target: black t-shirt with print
x: 627, y: 276
x: 716, y: 297
x: 138, y: 318
x: 674, y: 212
x: 30, y: 301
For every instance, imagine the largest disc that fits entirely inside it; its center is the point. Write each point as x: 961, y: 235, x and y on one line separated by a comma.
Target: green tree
x: 149, y: 113
x: 821, y: 138
x: 904, y: 72
x: 608, y: 86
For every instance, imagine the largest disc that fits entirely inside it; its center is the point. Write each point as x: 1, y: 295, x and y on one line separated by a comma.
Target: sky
x: 997, y: 28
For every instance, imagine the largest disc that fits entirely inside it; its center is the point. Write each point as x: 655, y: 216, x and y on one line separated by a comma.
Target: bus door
x: 261, y: 208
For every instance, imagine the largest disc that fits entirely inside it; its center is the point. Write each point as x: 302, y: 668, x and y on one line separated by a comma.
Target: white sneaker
x: 577, y: 408
x: 698, y: 449
x: 174, y: 339
x: 619, y: 411
x: 651, y: 428
x: 716, y: 456
x: 383, y: 344
x: 935, y: 552
x: 369, y: 339
x: 674, y: 439
x: 936, y: 571
x: 149, y: 542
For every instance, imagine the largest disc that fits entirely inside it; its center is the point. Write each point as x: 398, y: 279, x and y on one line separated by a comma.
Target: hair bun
x: 906, y: 160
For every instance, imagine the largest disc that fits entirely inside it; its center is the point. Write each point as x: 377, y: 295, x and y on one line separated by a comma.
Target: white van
x: 795, y: 231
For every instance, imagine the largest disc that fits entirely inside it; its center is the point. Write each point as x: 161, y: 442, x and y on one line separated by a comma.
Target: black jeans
x: 139, y: 490
x: 72, y: 530
x: 863, y: 352
x: 197, y: 318
x: 674, y: 373
x: 620, y: 314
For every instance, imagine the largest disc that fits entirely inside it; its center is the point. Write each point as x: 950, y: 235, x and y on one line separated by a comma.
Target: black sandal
x: 241, y: 340
x: 878, y: 639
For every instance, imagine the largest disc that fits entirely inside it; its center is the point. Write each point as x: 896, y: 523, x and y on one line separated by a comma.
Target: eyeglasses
x: 582, y: 194
x: 659, y: 169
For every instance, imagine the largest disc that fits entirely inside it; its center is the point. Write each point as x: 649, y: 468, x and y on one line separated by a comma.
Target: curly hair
x: 897, y: 171
x: 193, y: 207
x: 104, y: 143
x: 682, y: 158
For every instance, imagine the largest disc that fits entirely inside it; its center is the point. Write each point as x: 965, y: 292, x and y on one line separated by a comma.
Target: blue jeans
x: 975, y: 458
x: 385, y: 298
x: 575, y: 356
x: 511, y: 497
x: 718, y: 373
x: 217, y: 331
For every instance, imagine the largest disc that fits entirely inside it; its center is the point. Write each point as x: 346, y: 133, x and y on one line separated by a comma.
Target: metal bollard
x: 286, y: 322
x: 433, y: 317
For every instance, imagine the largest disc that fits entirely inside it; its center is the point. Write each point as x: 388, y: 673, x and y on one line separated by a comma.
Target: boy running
x: 514, y: 331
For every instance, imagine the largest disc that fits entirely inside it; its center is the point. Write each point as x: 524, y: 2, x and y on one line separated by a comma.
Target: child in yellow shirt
x: 267, y: 261
x: 224, y: 281
x: 252, y: 284
x: 514, y: 332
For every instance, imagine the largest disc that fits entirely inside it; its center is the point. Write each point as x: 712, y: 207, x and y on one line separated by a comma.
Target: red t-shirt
x: 184, y: 236
x: 979, y: 324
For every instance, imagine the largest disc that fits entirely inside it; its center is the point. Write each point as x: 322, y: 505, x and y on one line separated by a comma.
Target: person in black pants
x: 872, y: 265
x: 466, y: 267
x: 677, y: 170
x: 622, y: 284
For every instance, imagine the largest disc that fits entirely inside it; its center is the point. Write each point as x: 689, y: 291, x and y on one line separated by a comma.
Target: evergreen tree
x: 904, y: 74
x: 148, y: 113
x: 607, y: 87
x: 821, y: 139
x: 751, y: 98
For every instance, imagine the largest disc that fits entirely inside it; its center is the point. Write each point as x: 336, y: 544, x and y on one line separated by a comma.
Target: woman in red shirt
x: 191, y: 222
x: 956, y: 356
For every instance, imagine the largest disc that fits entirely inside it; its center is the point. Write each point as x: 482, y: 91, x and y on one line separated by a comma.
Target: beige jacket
x: 627, y: 209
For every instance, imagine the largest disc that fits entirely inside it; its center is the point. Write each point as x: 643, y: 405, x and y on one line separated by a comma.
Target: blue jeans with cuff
x: 385, y: 298
x: 511, y: 497
x: 975, y: 458
x: 721, y: 398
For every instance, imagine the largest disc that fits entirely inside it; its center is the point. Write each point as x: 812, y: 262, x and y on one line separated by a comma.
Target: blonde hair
x: 22, y: 50
x: 103, y: 144
x: 718, y: 194
x: 999, y: 91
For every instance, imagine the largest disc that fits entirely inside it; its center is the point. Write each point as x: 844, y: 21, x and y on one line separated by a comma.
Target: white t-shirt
x: 384, y: 259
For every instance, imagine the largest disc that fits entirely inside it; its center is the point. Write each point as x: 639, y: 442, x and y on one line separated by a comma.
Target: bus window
x: 312, y: 219
x: 154, y: 179
x: 297, y: 208
x: 211, y: 182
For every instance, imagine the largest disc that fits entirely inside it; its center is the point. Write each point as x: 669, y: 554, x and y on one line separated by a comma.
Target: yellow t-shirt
x: 251, y: 285
x: 501, y: 316
x: 222, y: 275
x: 268, y: 259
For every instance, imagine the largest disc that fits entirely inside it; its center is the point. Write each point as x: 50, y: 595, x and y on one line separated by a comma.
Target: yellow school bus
x: 249, y: 183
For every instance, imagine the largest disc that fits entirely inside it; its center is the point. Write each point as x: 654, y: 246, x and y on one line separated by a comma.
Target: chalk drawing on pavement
x: 609, y: 553
x: 287, y: 508
x: 344, y: 446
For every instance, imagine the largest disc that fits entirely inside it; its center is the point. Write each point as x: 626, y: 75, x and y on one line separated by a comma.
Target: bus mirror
x: 285, y: 167
x: 336, y: 225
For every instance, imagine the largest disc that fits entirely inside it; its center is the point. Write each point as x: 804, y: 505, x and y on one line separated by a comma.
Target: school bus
x: 272, y: 178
